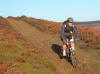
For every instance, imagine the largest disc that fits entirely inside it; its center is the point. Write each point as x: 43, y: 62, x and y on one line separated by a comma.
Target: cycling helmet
x: 70, y: 20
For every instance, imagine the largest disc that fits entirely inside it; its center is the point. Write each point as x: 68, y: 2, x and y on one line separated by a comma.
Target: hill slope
x: 50, y: 44
x: 89, y: 35
x: 18, y: 56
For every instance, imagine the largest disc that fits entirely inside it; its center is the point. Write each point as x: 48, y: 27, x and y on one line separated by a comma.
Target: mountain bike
x: 71, y: 56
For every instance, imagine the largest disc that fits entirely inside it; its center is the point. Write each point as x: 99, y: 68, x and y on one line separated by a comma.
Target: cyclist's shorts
x: 65, y: 40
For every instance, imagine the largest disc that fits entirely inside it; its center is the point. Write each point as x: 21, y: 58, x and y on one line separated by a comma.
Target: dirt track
x: 47, y: 43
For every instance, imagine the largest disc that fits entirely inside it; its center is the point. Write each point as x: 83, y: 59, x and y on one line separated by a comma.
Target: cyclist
x: 66, y: 32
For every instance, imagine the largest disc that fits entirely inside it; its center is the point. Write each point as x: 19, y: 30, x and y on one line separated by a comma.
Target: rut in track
x: 44, y: 42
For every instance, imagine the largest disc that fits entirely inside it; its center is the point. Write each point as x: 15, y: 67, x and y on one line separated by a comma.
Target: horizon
x: 52, y: 20
x: 52, y: 10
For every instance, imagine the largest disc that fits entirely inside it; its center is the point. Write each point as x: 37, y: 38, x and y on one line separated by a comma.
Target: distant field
x: 97, y: 27
x: 94, y: 24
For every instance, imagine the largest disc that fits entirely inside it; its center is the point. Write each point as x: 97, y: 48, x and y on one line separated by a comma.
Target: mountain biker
x: 66, y: 32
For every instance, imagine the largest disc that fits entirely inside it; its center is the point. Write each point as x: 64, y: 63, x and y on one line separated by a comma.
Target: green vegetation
x: 95, y: 58
x: 29, y: 62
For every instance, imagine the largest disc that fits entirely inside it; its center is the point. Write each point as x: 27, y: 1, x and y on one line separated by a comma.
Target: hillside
x: 42, y: 25
x: 18, y: 56
x: 44, y: 36
x: 91, y: 24
x: 88, y: 35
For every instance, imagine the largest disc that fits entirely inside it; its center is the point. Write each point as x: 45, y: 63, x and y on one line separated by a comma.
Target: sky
x: 53, y: 10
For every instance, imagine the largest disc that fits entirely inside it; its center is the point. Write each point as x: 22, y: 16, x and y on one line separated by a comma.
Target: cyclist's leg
x: 72, y: 43
x: 64, y: 48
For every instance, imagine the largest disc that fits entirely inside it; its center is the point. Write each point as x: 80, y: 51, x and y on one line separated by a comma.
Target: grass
x: 33, y: 68
x: 10, y: 52
x: 35, y: 63
x: 95, y: 58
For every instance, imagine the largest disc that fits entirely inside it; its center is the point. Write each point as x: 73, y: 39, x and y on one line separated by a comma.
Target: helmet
x: 70, y: 20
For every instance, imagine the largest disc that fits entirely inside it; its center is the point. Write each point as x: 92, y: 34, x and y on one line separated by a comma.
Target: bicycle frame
x: 71, y: 54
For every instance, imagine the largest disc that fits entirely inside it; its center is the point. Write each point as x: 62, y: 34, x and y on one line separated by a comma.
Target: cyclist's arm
x: 76, y: 32
x: 62, y: 32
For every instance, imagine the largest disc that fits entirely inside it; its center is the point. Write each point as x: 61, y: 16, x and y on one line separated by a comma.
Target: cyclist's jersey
x: 67, y: 31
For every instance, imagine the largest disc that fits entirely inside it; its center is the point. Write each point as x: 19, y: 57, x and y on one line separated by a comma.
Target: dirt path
x: 46, y: 43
